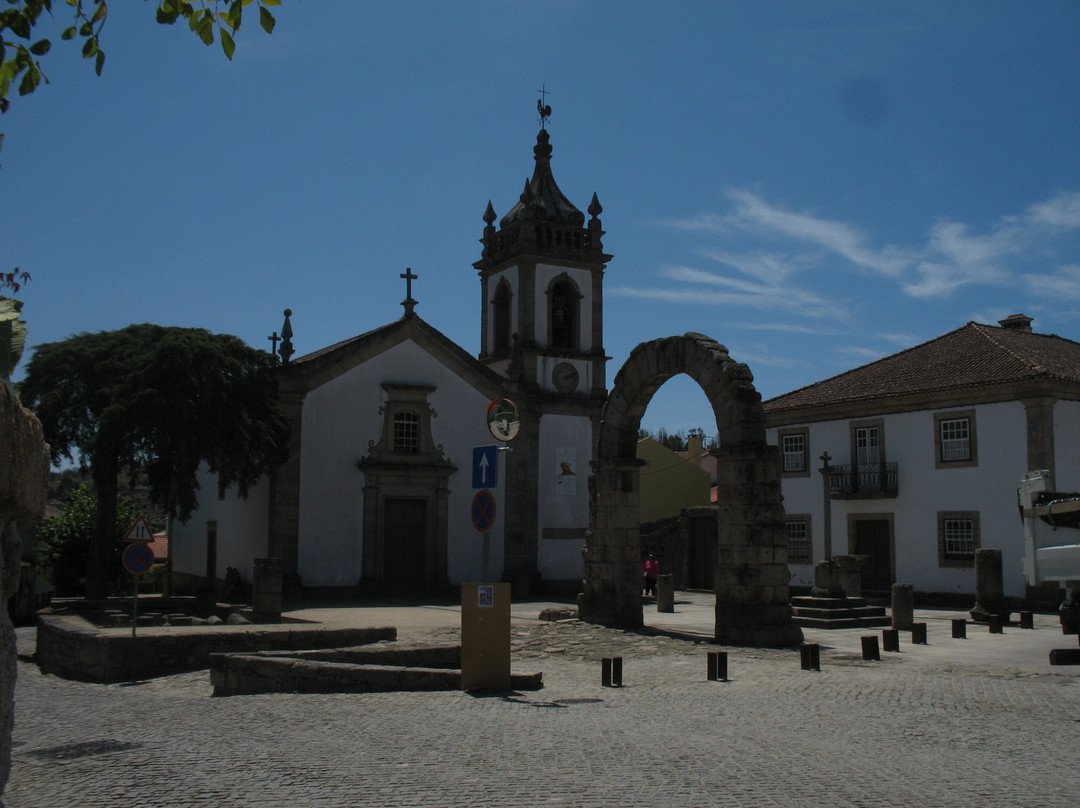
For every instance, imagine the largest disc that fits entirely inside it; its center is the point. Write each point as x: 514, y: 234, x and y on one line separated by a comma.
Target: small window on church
x: 406, y: 432
x: 501, y: 319
x: 564, y: 306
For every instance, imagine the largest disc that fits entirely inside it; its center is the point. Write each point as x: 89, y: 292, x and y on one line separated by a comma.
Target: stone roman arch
x: 752, y: 599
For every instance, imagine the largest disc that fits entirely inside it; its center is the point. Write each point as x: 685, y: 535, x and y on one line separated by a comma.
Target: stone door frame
x: 752, y: 596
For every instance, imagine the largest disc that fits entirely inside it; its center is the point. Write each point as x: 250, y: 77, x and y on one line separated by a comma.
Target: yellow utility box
x: 485, y: 636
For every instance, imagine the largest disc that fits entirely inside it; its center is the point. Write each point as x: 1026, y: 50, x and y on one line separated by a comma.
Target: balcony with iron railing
x: 863, y: 481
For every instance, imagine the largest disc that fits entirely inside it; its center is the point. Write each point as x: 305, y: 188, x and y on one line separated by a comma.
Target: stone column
x: 266, y: 590
x: 989, y: 587
x: 611, y: 593
x: 752, y: 595
x: 903, y: 606
x: 665, y: 593
x: 24, y: 468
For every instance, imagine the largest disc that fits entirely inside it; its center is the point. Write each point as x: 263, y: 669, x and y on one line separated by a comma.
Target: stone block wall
x: 70, y: 646
x: 24, y: 468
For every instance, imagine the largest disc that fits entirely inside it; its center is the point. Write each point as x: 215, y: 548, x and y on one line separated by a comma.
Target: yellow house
x: 669, y: 482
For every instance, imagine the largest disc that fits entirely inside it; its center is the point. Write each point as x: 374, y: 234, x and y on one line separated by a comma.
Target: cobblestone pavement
x: 908, y: 730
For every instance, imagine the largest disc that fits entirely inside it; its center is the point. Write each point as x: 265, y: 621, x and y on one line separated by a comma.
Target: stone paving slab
x: 953, y: 723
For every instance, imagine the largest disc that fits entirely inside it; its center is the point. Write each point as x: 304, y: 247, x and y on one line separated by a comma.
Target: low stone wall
x: 72, y: 647
x: 346, y: 670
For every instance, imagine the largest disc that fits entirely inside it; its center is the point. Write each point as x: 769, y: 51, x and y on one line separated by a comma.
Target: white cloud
x: 953, y: 256
x: 1064, y: 285
x: 1061, y: 211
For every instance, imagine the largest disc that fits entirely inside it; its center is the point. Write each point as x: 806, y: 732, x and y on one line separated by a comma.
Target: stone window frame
x: 804, y: 432
x: 964, y: 561
x: 804, y: 520
x: 972, y: 460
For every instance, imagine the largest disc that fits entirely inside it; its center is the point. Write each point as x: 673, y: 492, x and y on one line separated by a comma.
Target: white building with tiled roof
x: 924, y: 452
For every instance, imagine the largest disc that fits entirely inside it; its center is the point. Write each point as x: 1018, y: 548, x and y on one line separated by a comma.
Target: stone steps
x: 837, y: 612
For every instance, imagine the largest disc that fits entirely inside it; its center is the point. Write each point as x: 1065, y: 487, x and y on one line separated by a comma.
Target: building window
x: 958, y: 538
x: 954, y: 439
x: 406, y: 432
x: 798, y: 539
x: 867, y: 445
x: 795, y: 451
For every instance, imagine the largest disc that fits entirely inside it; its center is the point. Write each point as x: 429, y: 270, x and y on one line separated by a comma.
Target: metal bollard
x: 870, y: 647
x: 810, y: 656
x: 605, y: 672
x: 890, y: 639
x: 959, y: 628
x: 1027, y: 620
x: 616, y: 671
x: 994, y: 622
x: 918, y: 633
x: 717, y: 666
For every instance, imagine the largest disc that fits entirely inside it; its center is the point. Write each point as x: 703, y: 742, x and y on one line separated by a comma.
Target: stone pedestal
x: 827, y: 580
x: 989, y: 587
x: 849, y: 573
x: 266, y: 590
x: 903, y: 606
x: 665, y: 593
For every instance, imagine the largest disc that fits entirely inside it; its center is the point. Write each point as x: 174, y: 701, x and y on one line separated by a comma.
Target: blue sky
x: 813, y: 184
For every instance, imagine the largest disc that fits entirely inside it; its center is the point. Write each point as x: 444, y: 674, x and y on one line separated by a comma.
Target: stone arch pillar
x: 752, y: 598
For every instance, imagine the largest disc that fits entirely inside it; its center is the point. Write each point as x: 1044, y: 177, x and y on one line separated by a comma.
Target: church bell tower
x: 541, y: 275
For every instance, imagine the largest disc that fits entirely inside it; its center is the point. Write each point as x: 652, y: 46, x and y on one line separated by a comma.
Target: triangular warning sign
x: 140, y: 531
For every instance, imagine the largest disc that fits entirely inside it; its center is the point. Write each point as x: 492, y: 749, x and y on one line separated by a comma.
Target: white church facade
x: 377, y: 493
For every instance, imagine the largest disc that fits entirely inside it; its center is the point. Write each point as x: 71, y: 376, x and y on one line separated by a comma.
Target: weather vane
x: 542, y: 106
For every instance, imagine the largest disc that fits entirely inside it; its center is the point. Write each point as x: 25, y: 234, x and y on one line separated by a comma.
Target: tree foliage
x: 20, y: 50
x: 64, y: 542
x: 158, y: 401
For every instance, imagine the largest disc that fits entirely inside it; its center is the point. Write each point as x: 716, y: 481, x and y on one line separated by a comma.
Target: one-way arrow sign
x: 485, y: 467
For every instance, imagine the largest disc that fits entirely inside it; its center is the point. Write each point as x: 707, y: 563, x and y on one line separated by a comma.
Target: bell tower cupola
x: 541, y: 275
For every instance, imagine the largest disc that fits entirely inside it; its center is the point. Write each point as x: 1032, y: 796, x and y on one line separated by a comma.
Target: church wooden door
x: 873, y: 541
x: 405, y: 544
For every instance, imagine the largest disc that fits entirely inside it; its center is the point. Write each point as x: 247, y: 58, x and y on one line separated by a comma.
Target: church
x: 391, y: 442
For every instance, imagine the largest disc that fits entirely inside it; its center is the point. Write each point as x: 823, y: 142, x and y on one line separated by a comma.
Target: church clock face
x: 565, y: 377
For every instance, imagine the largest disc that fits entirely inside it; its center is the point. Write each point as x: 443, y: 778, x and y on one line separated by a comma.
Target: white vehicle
x: 1052, y: 541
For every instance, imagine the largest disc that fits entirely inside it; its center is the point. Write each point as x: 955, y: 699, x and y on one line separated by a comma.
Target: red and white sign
x: 140, y: 531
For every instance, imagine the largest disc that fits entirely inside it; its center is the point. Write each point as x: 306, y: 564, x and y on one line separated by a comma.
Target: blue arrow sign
x: 485, y: 467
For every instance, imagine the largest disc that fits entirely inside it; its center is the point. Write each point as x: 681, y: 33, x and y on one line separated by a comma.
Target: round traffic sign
x: 138, y: 558
x: 483, y: 511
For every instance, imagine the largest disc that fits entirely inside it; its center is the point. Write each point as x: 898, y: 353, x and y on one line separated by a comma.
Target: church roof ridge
x: 314, y: 363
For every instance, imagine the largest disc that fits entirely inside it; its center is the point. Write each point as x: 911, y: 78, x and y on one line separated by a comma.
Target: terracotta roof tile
x: 971, y: 356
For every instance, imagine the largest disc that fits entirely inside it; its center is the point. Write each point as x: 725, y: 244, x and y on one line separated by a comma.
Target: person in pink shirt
x: 652, y: 572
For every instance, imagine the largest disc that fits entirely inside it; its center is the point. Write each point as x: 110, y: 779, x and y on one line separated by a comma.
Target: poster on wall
x: 565, y: 470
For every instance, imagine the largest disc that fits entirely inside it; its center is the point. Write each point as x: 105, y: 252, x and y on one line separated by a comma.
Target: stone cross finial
x: 274, y: 340
x: 825, y: 458
x: 408, y: 302
x: 286, y: 349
